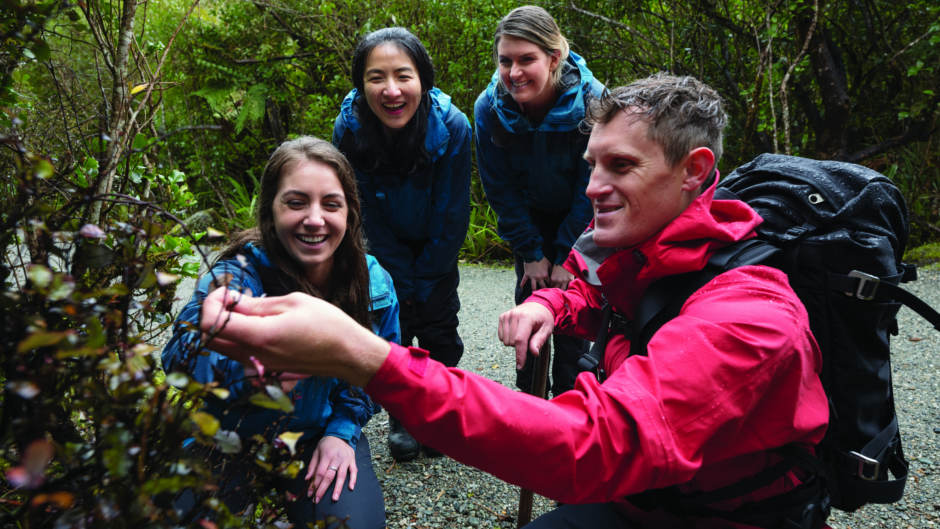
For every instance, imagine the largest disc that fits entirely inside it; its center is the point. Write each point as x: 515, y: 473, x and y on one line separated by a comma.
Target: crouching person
x: 688, y: 434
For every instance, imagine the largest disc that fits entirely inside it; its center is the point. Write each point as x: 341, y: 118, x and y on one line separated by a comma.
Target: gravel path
x: 440, y: 493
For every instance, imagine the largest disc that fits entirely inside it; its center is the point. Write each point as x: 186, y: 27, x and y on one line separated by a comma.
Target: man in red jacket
x: 724, y: 385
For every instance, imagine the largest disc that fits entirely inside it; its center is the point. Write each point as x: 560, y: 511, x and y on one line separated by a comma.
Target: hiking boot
x: 401, y: 444
x: 430, y: 452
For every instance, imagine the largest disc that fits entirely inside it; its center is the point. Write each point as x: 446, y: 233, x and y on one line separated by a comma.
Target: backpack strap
x: 885, y: 289
x: 593, y: 359
x: 664, y: 298
x: 858, y: 472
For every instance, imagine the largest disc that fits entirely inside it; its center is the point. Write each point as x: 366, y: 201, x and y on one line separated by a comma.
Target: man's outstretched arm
x: 298, y: 334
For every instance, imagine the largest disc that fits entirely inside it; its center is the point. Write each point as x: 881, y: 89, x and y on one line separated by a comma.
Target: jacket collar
x: 565, y: 115
x: 683, y: 245
x: 437, y: 137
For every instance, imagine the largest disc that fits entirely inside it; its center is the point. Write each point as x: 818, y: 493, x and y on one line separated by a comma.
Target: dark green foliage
x: 91, y: 430
x: 103, y: 151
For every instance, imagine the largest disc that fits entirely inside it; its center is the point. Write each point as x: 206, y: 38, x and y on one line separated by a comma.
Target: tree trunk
x: 118, y: 124
x: 832, y: 129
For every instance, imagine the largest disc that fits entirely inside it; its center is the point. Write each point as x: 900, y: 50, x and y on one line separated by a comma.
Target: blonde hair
x: 535, y: 25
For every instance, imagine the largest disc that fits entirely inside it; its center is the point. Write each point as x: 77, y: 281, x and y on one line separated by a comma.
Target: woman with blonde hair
x: 529, y: 154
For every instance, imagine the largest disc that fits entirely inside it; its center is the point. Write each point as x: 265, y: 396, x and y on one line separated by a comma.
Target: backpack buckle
x: 868, y: 468
x: 867, y: 285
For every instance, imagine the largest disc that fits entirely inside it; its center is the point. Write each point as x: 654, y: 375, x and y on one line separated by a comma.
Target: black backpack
x: 838, y: 230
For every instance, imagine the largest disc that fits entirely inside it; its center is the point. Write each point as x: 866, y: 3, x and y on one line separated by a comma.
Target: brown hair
x: 683, y: 113
x: 348, y: 287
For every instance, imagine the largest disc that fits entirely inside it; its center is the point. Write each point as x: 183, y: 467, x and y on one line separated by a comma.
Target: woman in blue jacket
x: 410, y: 148
x: 529, y: 154
x: 309, y: 239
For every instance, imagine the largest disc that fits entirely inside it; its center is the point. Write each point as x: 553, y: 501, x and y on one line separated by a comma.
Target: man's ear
x: 698, y: 165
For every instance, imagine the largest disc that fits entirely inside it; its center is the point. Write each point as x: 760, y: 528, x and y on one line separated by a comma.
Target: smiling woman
x: 308, y: 239
x: 392, y: 87
x: 410, y: 147
x: 529, y: 154
x: 310, y: 218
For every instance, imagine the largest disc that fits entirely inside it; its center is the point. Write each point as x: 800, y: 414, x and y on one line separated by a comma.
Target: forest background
x: 134, y: 132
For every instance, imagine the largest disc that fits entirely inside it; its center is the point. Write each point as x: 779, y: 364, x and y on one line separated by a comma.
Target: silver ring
x: 334, y: 468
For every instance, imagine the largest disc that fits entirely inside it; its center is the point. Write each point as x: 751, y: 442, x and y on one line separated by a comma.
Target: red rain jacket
x: 734, y: 376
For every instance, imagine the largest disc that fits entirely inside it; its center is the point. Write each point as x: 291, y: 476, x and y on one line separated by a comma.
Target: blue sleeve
x: 352, y: 408
x: 386, y: 323
x: 180, y: 353
x: 451, y: 207
x: 504, y: 195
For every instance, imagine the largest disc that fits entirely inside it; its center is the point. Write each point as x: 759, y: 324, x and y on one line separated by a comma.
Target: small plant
x: 483, y: 243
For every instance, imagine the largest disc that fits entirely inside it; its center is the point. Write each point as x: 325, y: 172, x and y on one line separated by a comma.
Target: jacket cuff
x: 531, y: 255
x: 401, y: 373
x: 345, y: 429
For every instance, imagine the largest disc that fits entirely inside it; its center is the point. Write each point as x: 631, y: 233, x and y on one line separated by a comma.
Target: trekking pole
x: 538, y: 388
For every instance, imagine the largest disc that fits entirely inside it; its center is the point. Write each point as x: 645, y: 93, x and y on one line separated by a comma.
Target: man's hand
x: 560, y: 277
x: 536, y: 273
x: 526, y: 328
x: 332, y: 460
x: 296, y: 333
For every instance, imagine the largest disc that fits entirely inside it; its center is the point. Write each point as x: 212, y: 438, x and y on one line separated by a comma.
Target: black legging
x: 363, y: 507
x: 567, y: 349
x: 434, y: 322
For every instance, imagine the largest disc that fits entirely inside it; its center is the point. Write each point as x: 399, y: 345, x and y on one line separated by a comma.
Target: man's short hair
x: 683, y: 113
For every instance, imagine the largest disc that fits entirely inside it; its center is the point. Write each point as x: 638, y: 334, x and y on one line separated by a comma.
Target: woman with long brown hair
x: 309, y: 238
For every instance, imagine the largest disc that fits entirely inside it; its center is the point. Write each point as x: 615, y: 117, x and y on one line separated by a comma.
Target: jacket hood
x: 576, y: 82
x: 683, y: 245
x: 435, y: 142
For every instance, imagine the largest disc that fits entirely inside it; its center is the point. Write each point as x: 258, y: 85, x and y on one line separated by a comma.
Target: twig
x: 614, y: 23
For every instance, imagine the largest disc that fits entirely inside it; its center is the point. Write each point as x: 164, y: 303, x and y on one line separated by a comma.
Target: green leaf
x: 140, y: 140
x: 43, y: 169
x: 41, y: 339
x: 41, y: 50
x: 177, y: 379
x: 217, y: 97
x: 61, y: 288
x: 40, y: 275
x: 228, y: 441
x: 290, y: 440
x: 252, y: 106
x: 207, y: 422
x: 275, y: 399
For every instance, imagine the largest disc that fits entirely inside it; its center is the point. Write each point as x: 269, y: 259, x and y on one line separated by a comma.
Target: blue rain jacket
x: 526, y: 166
x: 322, y: 405
x: 400, y: 217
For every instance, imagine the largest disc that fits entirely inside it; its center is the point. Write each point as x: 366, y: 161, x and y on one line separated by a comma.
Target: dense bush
x: 129, y: 126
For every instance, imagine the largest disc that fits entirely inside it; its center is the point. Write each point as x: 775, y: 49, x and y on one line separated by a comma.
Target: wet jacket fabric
x: 322, y: 405
x: 731, y: 378
x: 416, y: 231
x: 536, y: 166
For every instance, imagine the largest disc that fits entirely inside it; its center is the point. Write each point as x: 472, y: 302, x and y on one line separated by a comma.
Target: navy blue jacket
x: 540, y: 166
x: 322, y: 405
x: 416, y: 231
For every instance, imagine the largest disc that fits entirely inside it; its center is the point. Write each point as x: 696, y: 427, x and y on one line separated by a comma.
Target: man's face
x: 633, y: 189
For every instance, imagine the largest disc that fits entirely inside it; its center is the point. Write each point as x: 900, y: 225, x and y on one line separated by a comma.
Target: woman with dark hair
x: 410, y: 148
x: 529, y: 154
x: 309, y: 238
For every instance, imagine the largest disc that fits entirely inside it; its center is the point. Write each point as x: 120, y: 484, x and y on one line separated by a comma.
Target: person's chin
x: 608, y: 238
